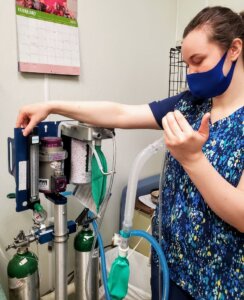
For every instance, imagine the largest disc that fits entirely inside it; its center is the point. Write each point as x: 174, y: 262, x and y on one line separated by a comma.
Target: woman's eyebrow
x: 193, y: 56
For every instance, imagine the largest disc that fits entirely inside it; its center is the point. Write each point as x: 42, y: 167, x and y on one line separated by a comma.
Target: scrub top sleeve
x: 162, y: 107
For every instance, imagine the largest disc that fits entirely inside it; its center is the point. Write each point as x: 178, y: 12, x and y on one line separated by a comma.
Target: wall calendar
x: 48, y: 37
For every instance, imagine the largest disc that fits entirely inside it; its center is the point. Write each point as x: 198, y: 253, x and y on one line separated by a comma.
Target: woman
x: 203, y: 195
x: 203, y: 221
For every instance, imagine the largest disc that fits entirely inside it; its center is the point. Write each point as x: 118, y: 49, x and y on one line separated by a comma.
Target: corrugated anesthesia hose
x: 103, y: 260
x: 162, y: 259
x: 128, y: 216
x: 155, y: 245
x: 139, y: 162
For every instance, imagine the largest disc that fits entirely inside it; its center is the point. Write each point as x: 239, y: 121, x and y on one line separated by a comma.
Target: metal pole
x: 60, y: 240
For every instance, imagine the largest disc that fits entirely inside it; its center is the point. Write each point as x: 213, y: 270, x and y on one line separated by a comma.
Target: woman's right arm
x: 101, y: 114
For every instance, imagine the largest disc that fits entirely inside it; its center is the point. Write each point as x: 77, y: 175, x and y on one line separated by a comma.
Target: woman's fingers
x: 21, y: 120
x: 167, y: 130
x: 28, y: 128
x: 30, y: 115
x: 176, y: 126
x: 182, y: 122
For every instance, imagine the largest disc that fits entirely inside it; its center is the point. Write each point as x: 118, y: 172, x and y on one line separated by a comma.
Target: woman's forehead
x: 197, y: 42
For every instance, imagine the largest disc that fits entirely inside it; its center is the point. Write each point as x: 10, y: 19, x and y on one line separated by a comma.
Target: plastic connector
x: 123, y: 252
x: 116, y: 240
x: 125, y: 234
x: 38, y: 207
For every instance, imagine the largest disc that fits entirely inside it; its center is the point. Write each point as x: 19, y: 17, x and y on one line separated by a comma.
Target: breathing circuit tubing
x: 160, y: 213
x: 162, y: 259
x: 103, y: 260
x: 152, y: 241
x: 165, y: 280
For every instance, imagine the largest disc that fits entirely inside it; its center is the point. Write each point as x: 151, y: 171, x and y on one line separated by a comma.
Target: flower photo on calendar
x: 62, y: 8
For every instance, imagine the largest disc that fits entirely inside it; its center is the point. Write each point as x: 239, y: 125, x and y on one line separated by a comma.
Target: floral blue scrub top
x: 205, y: 255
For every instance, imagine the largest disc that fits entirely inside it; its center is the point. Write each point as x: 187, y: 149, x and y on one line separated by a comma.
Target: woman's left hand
x: 184, y: 143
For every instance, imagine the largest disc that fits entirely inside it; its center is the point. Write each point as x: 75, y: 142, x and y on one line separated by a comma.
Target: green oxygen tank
x: 83, y: 245
x: 23, y: 275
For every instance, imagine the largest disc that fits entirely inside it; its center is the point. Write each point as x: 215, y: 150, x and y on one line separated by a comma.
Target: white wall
x: 187, y: 9
x: 124, y: 48
x: 236, y: 5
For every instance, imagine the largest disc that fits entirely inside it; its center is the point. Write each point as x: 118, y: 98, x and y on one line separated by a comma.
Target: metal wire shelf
x: 177, y: 72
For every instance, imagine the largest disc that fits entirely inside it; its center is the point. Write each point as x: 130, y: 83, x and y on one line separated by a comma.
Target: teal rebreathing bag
x: 119, y: 278
x: 98, y: 179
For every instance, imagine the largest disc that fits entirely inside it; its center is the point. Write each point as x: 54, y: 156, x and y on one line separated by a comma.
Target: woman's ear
x: 235, y: 49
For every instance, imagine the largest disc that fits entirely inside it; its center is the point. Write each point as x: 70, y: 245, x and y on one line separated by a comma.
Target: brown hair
x: 225, y: 25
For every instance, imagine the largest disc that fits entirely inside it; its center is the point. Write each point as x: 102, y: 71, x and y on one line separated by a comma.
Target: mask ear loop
x: 99, y: 161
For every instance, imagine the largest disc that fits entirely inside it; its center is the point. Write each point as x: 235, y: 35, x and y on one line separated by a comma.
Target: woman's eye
x: 197, y: 61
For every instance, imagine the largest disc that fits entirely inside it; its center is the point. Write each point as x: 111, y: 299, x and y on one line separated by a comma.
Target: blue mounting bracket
x: 18, y: 161
x: 47, y: 235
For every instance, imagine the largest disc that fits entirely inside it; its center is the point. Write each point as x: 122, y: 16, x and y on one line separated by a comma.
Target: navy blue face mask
x: 212, y: 83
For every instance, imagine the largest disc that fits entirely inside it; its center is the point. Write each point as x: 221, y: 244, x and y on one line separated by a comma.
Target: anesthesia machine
x: 54, y: 155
